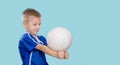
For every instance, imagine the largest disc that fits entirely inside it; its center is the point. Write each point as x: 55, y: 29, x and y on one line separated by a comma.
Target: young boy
x: 32, y: 47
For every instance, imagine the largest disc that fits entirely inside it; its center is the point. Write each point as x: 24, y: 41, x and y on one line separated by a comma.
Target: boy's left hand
x: 63, y: 55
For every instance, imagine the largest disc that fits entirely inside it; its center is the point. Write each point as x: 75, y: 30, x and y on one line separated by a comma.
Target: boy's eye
x: 34, y: 24
x: 37, y: 24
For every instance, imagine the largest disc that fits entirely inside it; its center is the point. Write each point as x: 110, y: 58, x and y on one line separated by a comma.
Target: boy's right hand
x: 61, y: 54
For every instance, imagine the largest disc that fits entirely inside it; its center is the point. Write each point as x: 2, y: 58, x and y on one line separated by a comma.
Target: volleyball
x: 59, y: 38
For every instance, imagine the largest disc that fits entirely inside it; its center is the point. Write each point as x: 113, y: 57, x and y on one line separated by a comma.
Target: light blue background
x: 94, y: 24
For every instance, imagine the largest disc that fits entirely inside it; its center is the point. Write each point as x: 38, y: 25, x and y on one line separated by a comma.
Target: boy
x: 32, y: 47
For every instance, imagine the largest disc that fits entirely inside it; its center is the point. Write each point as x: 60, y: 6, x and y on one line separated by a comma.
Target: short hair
x: 30, y: 12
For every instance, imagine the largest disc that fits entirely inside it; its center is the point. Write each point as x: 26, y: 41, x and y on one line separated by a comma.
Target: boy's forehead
x: 34, y: 18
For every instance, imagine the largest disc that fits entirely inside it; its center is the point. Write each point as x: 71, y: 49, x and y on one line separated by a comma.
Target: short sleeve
x: 43, y: 39
x: 28, y: 43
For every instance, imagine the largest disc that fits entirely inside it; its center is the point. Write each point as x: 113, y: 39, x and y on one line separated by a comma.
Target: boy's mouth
x: 36, y: 30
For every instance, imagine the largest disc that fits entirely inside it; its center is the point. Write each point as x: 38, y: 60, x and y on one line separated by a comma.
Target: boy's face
x: 33, y: 24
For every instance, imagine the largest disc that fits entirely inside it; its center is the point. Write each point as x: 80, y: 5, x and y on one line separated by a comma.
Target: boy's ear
x: 24, y: 23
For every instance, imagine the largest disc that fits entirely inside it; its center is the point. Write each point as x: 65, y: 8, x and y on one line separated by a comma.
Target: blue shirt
x: 28, y: 53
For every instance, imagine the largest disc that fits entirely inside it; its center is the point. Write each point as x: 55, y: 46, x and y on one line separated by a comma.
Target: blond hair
x: 30, y: 12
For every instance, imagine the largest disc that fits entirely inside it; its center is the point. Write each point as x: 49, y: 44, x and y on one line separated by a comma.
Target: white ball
x: 59, y: 38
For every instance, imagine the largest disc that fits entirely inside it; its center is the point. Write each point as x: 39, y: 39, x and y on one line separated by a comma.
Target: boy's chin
x: 36, y: 33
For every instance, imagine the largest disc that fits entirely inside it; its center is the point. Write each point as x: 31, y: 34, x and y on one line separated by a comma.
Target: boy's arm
x: 47, y: 50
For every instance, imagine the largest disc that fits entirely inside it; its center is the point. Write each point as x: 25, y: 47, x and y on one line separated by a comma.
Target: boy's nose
x: 38, y: 27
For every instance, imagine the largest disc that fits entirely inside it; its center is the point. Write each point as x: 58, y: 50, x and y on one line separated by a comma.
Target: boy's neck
x: 35, y: 36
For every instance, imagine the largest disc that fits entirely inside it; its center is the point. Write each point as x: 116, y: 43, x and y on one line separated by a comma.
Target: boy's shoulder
x: 27, y: 35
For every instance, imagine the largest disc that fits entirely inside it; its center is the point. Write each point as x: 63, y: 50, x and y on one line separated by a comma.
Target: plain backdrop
x: 94, y: 24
